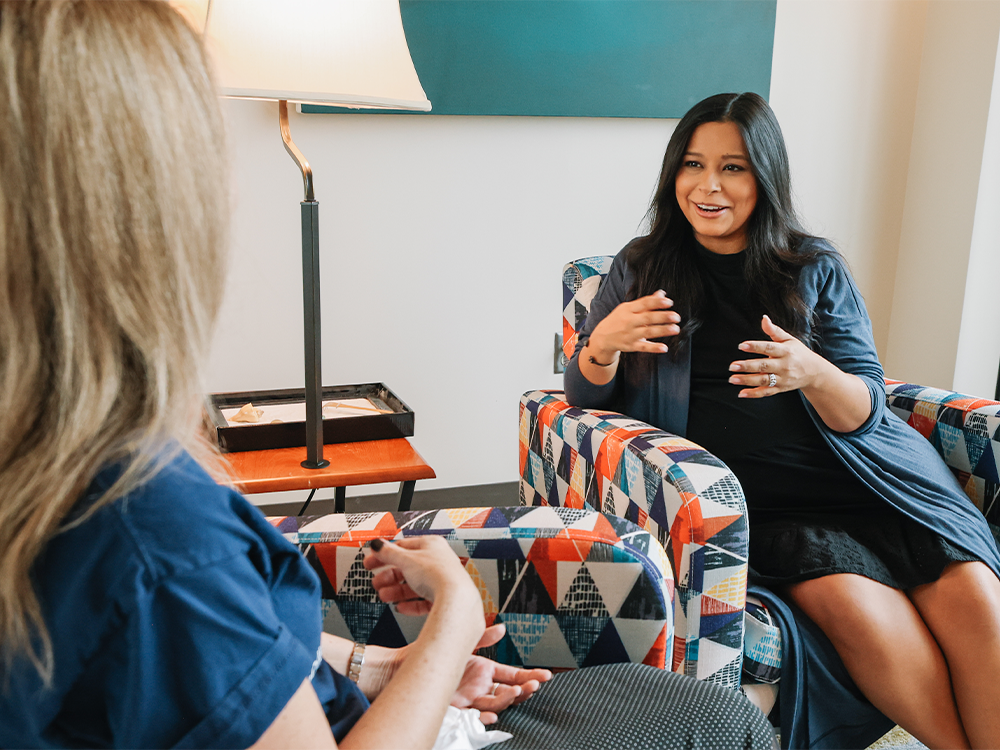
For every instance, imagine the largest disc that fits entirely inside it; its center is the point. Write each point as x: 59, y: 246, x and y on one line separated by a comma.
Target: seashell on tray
x: 248, y: 413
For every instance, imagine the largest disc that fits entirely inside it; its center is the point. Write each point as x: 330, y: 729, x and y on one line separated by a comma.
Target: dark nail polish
x: 377, y: 544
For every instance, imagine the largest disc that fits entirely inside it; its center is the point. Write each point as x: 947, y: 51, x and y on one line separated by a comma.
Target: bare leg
x: 888, y: 651
x: 962, y: 610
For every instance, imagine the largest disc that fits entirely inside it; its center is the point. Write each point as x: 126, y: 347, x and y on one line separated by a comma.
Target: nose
x: 710, y: 182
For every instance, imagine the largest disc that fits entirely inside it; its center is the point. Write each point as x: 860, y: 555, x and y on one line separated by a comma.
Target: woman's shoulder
x: 177, y: 521
x: 824, y: 262
x: 621, y: 263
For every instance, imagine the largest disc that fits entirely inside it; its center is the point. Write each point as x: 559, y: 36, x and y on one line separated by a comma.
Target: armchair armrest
x: 963, y: 429
x: 573, y: 587
x: 680, y: 493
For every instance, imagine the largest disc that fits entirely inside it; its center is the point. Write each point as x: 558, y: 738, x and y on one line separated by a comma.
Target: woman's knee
x: 964, y: 600
x: 847, y: 604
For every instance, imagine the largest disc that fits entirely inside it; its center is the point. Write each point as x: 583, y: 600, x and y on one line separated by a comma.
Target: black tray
x: 264, y: 436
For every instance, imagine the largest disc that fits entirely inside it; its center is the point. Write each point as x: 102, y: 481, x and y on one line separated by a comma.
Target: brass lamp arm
x: 293, y: 150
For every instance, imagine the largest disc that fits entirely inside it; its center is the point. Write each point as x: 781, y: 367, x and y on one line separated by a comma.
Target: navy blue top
x: 179, y: 618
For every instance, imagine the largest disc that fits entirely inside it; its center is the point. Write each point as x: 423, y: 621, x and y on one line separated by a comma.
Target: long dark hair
x: 665, y: 257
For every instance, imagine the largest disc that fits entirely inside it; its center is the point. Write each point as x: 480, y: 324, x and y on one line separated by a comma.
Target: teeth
x: 709, y: 208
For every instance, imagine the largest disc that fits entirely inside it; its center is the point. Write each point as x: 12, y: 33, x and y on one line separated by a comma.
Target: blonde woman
x: 141, y: 604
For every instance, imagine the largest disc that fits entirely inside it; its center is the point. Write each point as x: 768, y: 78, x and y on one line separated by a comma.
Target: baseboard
x: 471, y: 496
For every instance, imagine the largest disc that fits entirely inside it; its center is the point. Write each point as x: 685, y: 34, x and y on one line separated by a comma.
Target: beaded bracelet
x: 357, y: 659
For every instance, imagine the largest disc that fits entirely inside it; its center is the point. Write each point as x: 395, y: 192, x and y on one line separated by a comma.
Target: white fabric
x: 462, y: 730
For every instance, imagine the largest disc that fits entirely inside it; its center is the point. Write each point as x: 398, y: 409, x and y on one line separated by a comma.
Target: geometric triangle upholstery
x: 679, y: 493
x: 572, y: 586
x: 965, y: 431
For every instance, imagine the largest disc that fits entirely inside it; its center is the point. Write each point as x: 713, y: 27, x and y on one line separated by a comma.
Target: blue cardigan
x: 892, y: 458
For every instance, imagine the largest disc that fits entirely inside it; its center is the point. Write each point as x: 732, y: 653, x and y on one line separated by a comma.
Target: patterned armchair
x: 574, y: 587
x: 690, y: 501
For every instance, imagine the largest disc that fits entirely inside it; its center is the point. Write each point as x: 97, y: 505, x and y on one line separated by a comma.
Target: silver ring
x: 772, y: 380
x: 496, y: 686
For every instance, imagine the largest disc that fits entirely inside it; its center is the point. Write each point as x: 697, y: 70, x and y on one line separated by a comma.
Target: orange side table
x: 351, y: 464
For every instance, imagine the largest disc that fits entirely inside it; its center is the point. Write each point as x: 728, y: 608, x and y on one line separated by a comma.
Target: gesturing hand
x: 410, y: 572
x: 512, y: 685
x: 787, y: 364
x: 631, y: 326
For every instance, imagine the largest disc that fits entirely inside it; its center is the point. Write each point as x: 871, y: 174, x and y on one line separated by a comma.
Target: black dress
x: 809, y: 515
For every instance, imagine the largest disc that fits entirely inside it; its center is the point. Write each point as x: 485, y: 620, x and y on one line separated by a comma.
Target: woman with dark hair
x: 854, y: 518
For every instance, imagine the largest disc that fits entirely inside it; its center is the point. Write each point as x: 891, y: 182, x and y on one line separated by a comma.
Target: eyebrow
x: 742, y: 157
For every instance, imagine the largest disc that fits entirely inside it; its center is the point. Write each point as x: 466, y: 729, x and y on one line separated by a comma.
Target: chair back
x: 581, y: 280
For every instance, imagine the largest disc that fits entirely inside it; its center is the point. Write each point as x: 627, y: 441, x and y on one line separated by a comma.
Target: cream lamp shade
x: 349, y: 53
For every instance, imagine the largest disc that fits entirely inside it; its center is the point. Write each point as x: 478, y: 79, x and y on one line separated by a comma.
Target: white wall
x: 979, y: 335
x: 442, y: 241
x: 843, y: 85
x: 945, y: 164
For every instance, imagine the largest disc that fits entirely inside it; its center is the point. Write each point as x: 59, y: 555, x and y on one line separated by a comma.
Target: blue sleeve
x: 208, y: 645
x: 579, y: 390
x: 844, y: 329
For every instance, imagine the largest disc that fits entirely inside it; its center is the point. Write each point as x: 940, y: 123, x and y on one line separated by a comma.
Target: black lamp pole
x: 310, y: 302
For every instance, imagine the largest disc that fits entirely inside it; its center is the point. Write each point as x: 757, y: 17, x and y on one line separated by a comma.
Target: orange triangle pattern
x: 923, y: 425
x: 680, y: 649
x: 548, y: 574
x: 657, y: 655
x: 565, y: 549
x: 712, y: 526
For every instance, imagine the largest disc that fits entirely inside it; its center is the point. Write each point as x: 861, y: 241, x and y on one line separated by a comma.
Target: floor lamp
x: 349, y: 53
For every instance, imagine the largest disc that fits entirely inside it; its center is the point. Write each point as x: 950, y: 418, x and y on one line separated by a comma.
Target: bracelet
x: 357, y: 659
x: 601, y: 364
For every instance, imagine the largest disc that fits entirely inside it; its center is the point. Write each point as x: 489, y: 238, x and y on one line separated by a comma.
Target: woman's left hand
x: 492, y: 687
x: 792, y: 364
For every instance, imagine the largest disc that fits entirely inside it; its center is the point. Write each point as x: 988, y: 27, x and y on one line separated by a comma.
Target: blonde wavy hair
x: 113, y: 219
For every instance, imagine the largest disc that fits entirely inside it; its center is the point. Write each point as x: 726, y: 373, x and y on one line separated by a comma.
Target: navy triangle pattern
x: 581, y: 633
x: 607, y: 649
x: 986, y: 467
x: 734, y: 536
x: 641, y: 602
x: 529, y: 595
x: 714, y: 627
x: 361, y: 617
x: 499, y: 549
x: 386, y: 631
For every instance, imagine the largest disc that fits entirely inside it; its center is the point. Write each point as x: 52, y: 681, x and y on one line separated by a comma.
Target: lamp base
x: 321, y: 464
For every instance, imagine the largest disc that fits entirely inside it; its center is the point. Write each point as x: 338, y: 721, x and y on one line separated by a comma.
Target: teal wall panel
x: 585, y: 58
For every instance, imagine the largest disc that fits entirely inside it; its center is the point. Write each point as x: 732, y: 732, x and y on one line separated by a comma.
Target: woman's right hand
x: 632, y: 326
x: 412, y: 572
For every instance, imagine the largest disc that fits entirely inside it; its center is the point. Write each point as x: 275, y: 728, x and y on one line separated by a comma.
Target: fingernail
x: 745, y: 347
x: 734, y: 367
x: 661, y: 292
x: 377, y: 544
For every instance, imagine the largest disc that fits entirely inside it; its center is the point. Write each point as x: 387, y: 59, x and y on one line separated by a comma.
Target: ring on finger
x: 772, y: 380
x: 496, y: 686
